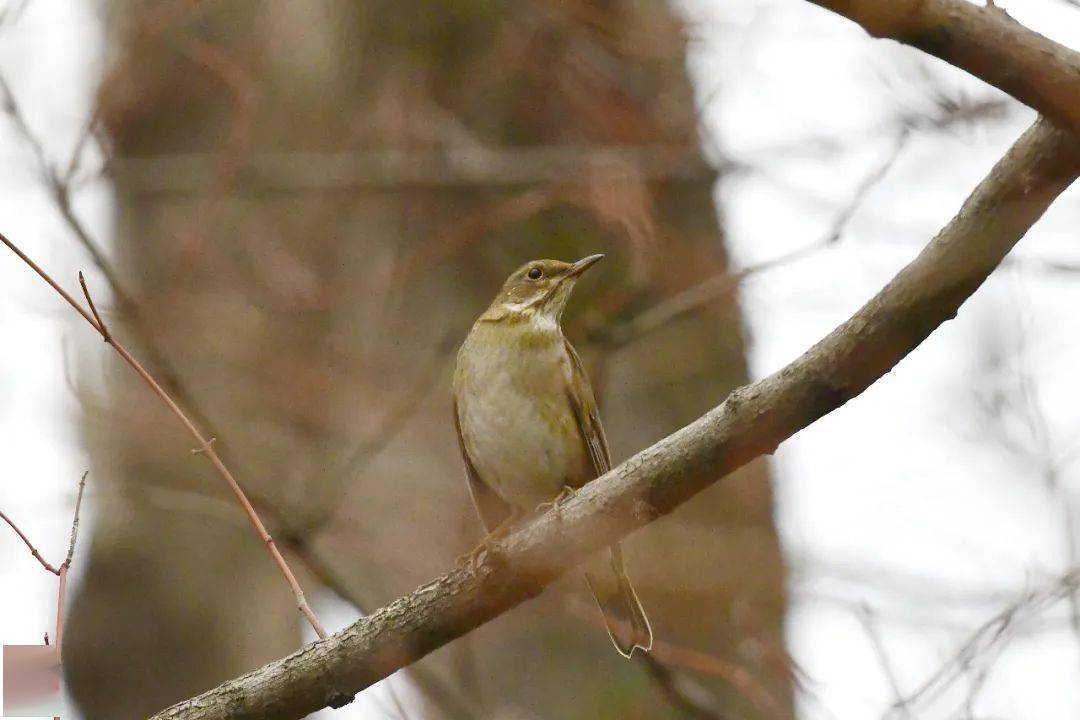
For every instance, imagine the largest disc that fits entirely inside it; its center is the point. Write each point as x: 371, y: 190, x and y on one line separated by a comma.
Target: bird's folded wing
x: 493, y: 510
x: 580, y: 393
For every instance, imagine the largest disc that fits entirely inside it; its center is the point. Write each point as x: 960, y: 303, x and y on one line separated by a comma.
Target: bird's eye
x: 535, y: 273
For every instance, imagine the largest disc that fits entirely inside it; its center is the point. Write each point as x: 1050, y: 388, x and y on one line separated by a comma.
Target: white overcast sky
x: 899, y: 500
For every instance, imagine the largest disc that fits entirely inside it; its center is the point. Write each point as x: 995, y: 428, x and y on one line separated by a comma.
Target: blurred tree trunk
x: 314, y: 201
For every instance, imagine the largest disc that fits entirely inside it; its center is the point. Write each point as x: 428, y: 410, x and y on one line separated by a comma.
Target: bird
x: 529, y: 430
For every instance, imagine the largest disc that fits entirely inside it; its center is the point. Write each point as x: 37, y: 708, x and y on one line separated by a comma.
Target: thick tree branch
x: 751, y: 422
x: 986, y: 42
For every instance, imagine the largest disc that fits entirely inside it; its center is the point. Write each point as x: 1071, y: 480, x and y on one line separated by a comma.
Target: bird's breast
x: 516, y: 421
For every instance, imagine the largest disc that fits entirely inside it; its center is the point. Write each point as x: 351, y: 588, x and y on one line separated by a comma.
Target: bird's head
x: 538, y: 289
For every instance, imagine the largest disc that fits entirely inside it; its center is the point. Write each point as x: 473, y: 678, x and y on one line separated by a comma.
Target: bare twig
x: 989, y: 636
x: 60, y: 594
x: 1018, y: 400
x: 102, y: 328
x: 203, y: 443
x: 12, y: 110
x: 33, y: 550
x: 59, y: 187
x: 715, y: 287
x: 75, y: 159
x: 61, y: 571
x: 75, y: 520
x: 64, y: 566
x: 869, y: 623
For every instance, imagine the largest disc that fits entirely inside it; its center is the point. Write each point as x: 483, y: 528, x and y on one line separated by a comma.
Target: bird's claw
x: 471, y: 559
x: 565, y: 494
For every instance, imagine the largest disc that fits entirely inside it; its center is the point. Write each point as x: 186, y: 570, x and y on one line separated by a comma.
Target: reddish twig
x: 33, y: 550
x: 67, y: 564
x: 204, y: 445
x: 75, y: 521
x: 61, y: 571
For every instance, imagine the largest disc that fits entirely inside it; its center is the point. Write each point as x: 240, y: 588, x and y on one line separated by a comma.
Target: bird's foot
x: 565, y: 494
x: 472, y: 558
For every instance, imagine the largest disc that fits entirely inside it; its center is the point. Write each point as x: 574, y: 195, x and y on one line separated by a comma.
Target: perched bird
x: 528, y: 426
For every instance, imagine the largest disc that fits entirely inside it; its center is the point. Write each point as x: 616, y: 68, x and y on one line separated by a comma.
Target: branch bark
x: 751, y: 422
x: 985, y: 41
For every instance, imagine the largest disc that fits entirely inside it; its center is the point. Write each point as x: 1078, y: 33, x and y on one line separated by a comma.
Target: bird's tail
x: 623, y: 615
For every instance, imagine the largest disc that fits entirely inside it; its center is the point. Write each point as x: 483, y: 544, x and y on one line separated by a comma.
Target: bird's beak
x: 583, y: 264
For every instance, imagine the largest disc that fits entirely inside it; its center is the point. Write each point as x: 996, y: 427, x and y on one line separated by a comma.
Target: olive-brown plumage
x: 528, y: 426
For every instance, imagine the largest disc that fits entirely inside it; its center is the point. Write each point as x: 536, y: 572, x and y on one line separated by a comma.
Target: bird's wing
x: 580, y: 393
x: 625, y: 619
x: 493, y: 510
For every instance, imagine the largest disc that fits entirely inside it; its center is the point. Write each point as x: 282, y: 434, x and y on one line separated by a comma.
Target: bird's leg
x: 565, y: 494
x: 472, y: 558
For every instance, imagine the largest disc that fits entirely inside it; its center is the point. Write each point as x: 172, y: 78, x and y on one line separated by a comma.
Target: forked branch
x: 204, y: 445
x: 60, y: 571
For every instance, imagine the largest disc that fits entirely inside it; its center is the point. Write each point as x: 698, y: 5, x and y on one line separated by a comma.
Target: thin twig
x: 202, y: 442
x: 33, y: 550
x: 75, y: 160
x: 59, y: 187
x: 75, y: 520
x: 61, y: 571
x: 105, y: 334
x: 991, y: 633
x: 60, y: 594
x: 64, y: 566
x: 868, y: 621
x: 11, y: 108
x: 708, y: 290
